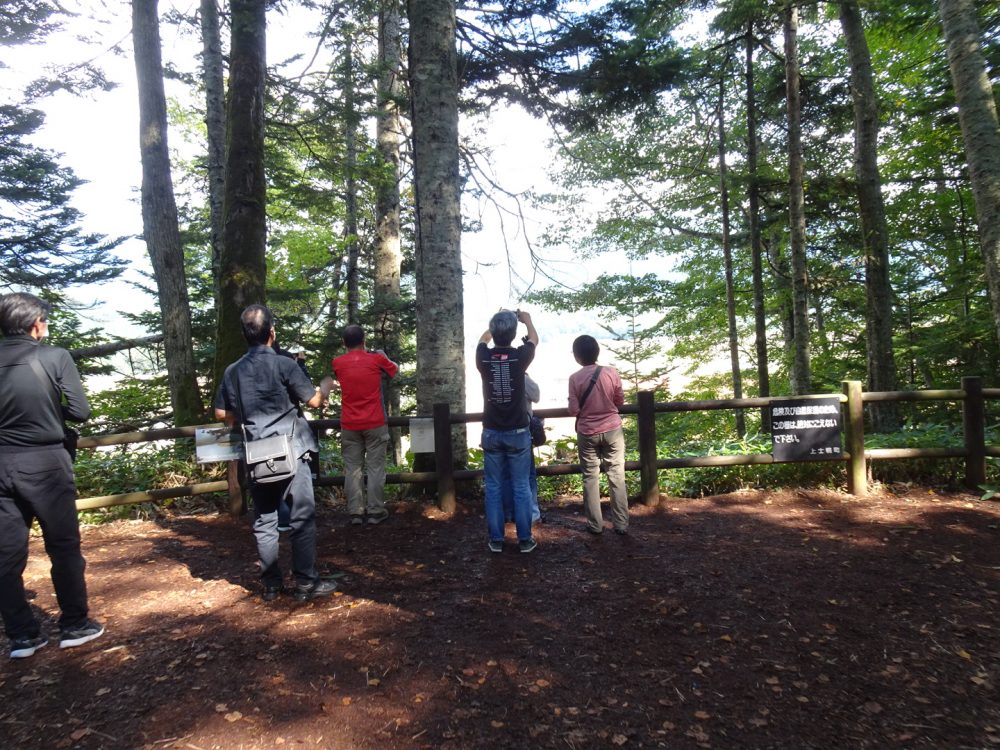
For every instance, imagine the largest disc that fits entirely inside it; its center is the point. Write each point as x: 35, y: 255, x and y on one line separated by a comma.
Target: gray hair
x: 19, y: 311
x: 503, y: 327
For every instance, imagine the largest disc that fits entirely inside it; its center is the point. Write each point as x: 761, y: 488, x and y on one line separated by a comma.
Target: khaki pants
x: 365, y: 449
x: 603, y: 451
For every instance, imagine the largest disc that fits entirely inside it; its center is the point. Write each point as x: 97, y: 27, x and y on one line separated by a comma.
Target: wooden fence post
x: 236, y: 504
x: 648, y: 481
x: 443, y: 458
x: 857, y: 474
x: 974, y: 430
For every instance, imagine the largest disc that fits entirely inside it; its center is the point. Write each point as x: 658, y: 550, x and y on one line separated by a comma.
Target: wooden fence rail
x: 972, y: 396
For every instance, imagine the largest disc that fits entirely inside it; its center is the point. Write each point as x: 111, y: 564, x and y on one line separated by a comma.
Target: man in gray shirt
x: 262, y: 392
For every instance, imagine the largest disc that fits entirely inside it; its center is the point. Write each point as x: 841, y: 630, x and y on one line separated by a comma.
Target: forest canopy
x: 746, y: 198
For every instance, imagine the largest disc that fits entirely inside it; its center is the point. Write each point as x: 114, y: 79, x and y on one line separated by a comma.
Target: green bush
x: 122, y: 469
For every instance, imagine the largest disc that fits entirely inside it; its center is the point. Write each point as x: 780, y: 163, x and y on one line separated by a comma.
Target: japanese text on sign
x: 806, y: 430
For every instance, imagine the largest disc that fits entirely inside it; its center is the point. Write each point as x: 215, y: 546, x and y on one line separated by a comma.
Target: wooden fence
x: 972, y: 396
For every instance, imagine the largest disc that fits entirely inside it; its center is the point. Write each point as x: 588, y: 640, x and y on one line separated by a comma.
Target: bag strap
x: 590, y: 387
x: 36, y: 367
x: 239, y: 400
x: 586, y: 393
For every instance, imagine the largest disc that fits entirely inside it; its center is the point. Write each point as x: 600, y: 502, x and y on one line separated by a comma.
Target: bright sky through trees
x: 97, y: 134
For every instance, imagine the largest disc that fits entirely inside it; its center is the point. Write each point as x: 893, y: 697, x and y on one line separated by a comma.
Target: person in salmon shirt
x: 595, y: 394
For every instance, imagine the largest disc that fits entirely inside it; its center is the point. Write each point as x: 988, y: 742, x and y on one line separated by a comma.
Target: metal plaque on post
x: 806, y: 429
x: 217, y: 444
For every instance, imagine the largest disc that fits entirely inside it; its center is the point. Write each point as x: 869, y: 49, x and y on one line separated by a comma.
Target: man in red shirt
x: 595, y: 393
x: 364, y: 434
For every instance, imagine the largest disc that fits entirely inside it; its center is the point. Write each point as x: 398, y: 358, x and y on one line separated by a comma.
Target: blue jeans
x: 508, y: 460
x: 508, y: 497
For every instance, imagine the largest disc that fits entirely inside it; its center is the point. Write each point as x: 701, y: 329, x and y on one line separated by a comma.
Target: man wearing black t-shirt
x: 506, y: 441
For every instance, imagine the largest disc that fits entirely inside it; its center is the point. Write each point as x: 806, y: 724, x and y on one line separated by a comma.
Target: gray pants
x: 365, y: 449
x: 297, y: 492
x: 603, y: 451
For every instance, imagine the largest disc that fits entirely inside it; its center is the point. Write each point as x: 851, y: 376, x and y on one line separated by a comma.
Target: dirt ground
x: 786, y: 619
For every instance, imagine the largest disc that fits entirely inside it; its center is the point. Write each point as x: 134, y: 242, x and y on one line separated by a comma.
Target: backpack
x: 536, y: 426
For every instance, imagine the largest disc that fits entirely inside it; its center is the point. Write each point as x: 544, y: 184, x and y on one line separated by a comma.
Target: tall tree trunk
x: 351, y: 185
x: 727, y: 255
x: 242, y: 271
x: 783, y: 296
x: 159, y: 217
x: 434, y: 87
x: 756, y: 244
x: 212, y: 76
x: 801, y: 375
x: 885, y: 415
x: 388, y: 257
x: 977, y: 114
x: 333, y: 327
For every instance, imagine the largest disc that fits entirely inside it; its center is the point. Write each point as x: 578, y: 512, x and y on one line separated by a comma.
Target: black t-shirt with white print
x: 502, y: 369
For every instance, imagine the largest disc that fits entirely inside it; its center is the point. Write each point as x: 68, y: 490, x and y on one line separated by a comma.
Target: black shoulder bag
x: 270, y: 459
x: 586, y: 393
x: 70, y: 436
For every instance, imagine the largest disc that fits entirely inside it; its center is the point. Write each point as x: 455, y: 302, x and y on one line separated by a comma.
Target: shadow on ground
x: 791, y: 619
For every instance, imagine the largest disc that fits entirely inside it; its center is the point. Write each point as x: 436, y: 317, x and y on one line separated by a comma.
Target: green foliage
x: 119, y: 470
x: 41, y: 244
x: 133, y: 404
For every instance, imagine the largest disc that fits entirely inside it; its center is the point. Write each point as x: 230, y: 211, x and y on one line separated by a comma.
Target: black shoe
x: 357, y: 519
x: 22, y: 648
x: 595, y: 532
x: 318, y: 589
x: 71, y: 637
x: 271, y: 593
x: 376, y: 518
x: 284, y: 528
x: 496, y: 546
x: 621, y: 530
x: 527, y: 545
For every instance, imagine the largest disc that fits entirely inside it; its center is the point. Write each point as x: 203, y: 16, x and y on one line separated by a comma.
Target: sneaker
x: 77, y: 636
x: 527, y: 545
x: 284, y: 528
x: 376, y: 518
x: 595, y: 532
x: 621, y: 530
x: 22, y: 648
x: 357, y: 519
x: 496, y: 545
x: 318, y: 589
x: 271, y: 593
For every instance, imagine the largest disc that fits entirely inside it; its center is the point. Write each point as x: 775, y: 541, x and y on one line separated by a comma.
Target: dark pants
x: 39, y: 484
x: 298, y: 493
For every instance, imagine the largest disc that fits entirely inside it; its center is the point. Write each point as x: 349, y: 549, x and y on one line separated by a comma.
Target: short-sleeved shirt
x: 264, y: 390
x: 600, y: 410
x: 502, y: 369
x: 360, y: 376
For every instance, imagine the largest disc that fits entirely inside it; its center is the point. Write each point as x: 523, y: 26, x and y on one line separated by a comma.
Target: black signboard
x: 806, y: 429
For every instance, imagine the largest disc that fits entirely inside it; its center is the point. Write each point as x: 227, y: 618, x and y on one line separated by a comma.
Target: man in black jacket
x: 39, y: 388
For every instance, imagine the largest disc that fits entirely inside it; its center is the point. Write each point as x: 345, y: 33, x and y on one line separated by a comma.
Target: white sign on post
x: 422, y: 435
x: 217, y: 444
